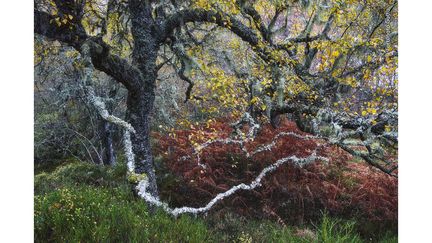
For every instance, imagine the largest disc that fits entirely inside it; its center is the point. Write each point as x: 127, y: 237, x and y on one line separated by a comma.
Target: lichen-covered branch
x: 142, y: 187
x: 269, y: 146
x: 103, y: 112
x: 365, y: 132
x: 246, y: 118
x: 98, y: 103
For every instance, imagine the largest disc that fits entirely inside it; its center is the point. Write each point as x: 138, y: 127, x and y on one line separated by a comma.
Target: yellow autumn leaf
x: 335, y: 53
x: 387, y: 128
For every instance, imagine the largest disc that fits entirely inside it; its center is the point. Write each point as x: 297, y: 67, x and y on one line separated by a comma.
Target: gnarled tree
x: 331, y: 64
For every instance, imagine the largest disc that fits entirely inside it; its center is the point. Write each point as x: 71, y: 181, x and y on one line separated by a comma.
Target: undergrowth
x: 291, y: 195
x: 80, y: 202
x: 89, y: 214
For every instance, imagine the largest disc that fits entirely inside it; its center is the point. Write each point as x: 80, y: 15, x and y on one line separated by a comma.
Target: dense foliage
x: 177, y: 102
x: 345, y: 187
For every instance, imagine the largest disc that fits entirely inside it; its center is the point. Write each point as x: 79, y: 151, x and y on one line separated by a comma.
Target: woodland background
x: 212, y: 93
x: 192, y: 182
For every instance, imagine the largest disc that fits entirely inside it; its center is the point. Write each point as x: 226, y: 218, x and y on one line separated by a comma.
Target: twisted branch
x: 143, y: 184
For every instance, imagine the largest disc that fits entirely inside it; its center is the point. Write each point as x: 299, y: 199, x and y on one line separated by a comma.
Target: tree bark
x: 109, y: 153
x: 141, y: 97
x: 139, y: 105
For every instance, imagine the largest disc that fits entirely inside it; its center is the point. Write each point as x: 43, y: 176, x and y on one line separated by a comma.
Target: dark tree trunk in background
x: 108, y: 131
x: 109, y: 153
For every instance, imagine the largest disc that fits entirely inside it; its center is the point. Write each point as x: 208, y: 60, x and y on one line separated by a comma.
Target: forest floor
x: 81, y: 202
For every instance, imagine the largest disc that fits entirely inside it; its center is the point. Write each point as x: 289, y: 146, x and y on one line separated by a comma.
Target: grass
x: 79, y: 202
x: 92, y: 214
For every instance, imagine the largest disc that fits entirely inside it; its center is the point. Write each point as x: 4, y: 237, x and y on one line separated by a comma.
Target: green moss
x: 80, y: 173
x: 135, y: 178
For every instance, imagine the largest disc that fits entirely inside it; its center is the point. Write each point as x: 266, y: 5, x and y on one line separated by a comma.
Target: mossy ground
x: 79, y: 202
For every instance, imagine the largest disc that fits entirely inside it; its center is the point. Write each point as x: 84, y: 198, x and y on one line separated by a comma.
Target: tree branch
x: 74, y: 35
x: 142, y: 187
x: 183, y: 17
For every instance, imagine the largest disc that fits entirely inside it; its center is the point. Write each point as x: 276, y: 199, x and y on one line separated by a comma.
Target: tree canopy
x: 328, y: 65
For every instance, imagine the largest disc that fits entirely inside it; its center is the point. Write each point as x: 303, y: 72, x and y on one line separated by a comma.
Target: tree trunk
x: 141, y: 98
x: 109, y: 153
x: 108, y: 132
x: 139, y: 108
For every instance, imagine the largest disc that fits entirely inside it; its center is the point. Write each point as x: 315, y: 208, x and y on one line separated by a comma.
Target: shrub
x: 290, y: 195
